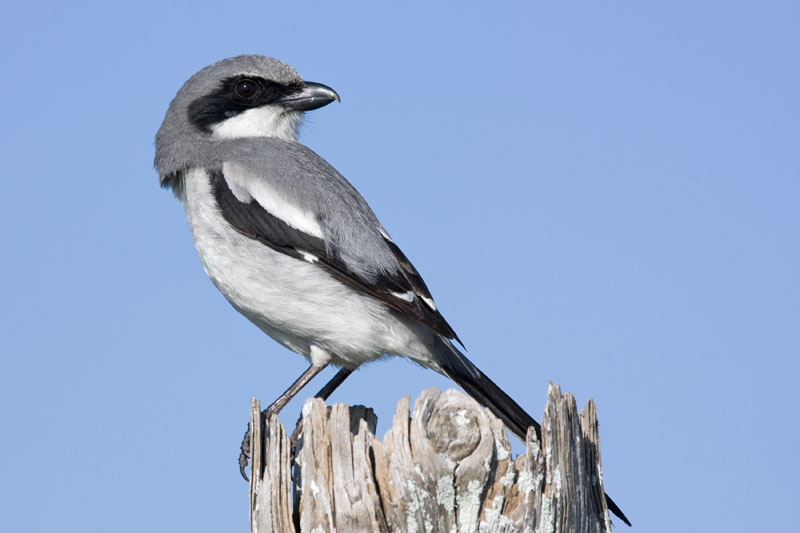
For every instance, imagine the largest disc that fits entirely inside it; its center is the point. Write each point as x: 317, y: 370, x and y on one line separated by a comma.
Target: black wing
x: 404, y: 290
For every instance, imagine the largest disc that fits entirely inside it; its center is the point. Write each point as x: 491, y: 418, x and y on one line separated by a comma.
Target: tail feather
x: 466, y: 375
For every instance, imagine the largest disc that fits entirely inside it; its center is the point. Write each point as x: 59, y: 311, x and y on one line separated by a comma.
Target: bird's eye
x: 246, y: 88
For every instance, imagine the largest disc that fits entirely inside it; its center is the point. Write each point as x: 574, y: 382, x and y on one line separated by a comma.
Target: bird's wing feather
x: 260, y: 212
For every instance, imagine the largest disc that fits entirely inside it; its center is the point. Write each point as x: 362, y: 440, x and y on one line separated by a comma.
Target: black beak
x: 311, y: 96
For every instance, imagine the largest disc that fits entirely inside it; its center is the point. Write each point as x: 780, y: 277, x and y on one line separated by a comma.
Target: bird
x: 290, y: 242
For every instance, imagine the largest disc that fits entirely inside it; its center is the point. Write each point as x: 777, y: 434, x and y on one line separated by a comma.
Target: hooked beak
x: 311, y: 96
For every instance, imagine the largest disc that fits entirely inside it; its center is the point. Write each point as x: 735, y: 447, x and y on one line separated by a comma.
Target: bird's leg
x: 323, y: 393
x: 275, y: 408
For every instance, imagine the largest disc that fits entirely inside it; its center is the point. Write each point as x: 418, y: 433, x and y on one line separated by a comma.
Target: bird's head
x: 240, y: 97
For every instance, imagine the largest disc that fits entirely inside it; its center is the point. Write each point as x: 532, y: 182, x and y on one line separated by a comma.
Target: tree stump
x: 447, y: 468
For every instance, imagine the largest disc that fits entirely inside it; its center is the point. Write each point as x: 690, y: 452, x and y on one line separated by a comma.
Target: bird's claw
x: 244, y: 455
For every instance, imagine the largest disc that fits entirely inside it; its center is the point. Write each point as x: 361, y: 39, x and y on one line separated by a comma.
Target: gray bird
x: 290, y: 242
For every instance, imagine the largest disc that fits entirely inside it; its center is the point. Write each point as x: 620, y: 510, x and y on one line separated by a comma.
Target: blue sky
x: 604, y: 196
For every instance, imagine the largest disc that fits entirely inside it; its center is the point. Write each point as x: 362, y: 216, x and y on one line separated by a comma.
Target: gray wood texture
x: 446, y: 468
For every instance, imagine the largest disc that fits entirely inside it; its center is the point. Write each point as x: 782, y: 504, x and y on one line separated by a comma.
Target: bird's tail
x: 461, y: 370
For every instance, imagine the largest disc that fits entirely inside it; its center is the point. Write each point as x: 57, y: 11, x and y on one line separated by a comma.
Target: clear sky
x: 605, y: 196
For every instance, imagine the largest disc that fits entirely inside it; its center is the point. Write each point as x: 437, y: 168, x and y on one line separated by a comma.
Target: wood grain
x: 447, y: 467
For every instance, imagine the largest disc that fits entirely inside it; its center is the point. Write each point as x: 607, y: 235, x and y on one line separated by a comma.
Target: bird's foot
x: 244, y: 455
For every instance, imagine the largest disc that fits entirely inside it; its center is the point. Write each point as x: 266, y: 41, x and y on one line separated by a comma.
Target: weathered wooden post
x: 446, y: 468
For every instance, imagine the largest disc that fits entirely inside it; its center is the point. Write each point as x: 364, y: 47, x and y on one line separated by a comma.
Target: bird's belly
x: 296, y: 303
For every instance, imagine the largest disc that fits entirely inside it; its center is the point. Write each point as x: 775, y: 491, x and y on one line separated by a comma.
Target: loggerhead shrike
x: 289, y: 241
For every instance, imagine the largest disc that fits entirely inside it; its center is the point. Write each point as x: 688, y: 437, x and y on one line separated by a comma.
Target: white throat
x: 266, y: 121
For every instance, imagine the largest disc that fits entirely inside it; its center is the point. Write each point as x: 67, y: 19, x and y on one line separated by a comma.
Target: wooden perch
x: 447, y: 468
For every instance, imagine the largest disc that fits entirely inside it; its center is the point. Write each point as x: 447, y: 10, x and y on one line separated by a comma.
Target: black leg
x: 323, y: 393
x: 333, y: 384
x: 276, y: 407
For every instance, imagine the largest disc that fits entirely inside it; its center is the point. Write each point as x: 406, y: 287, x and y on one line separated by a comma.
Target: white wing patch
x: 308, y: 256
x: 384, y: 234
x: 407, y: 296
x: 247, y: 186
x: 239, y: 190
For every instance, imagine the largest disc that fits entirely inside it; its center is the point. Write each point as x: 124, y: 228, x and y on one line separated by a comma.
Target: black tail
x: 457, y: 367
